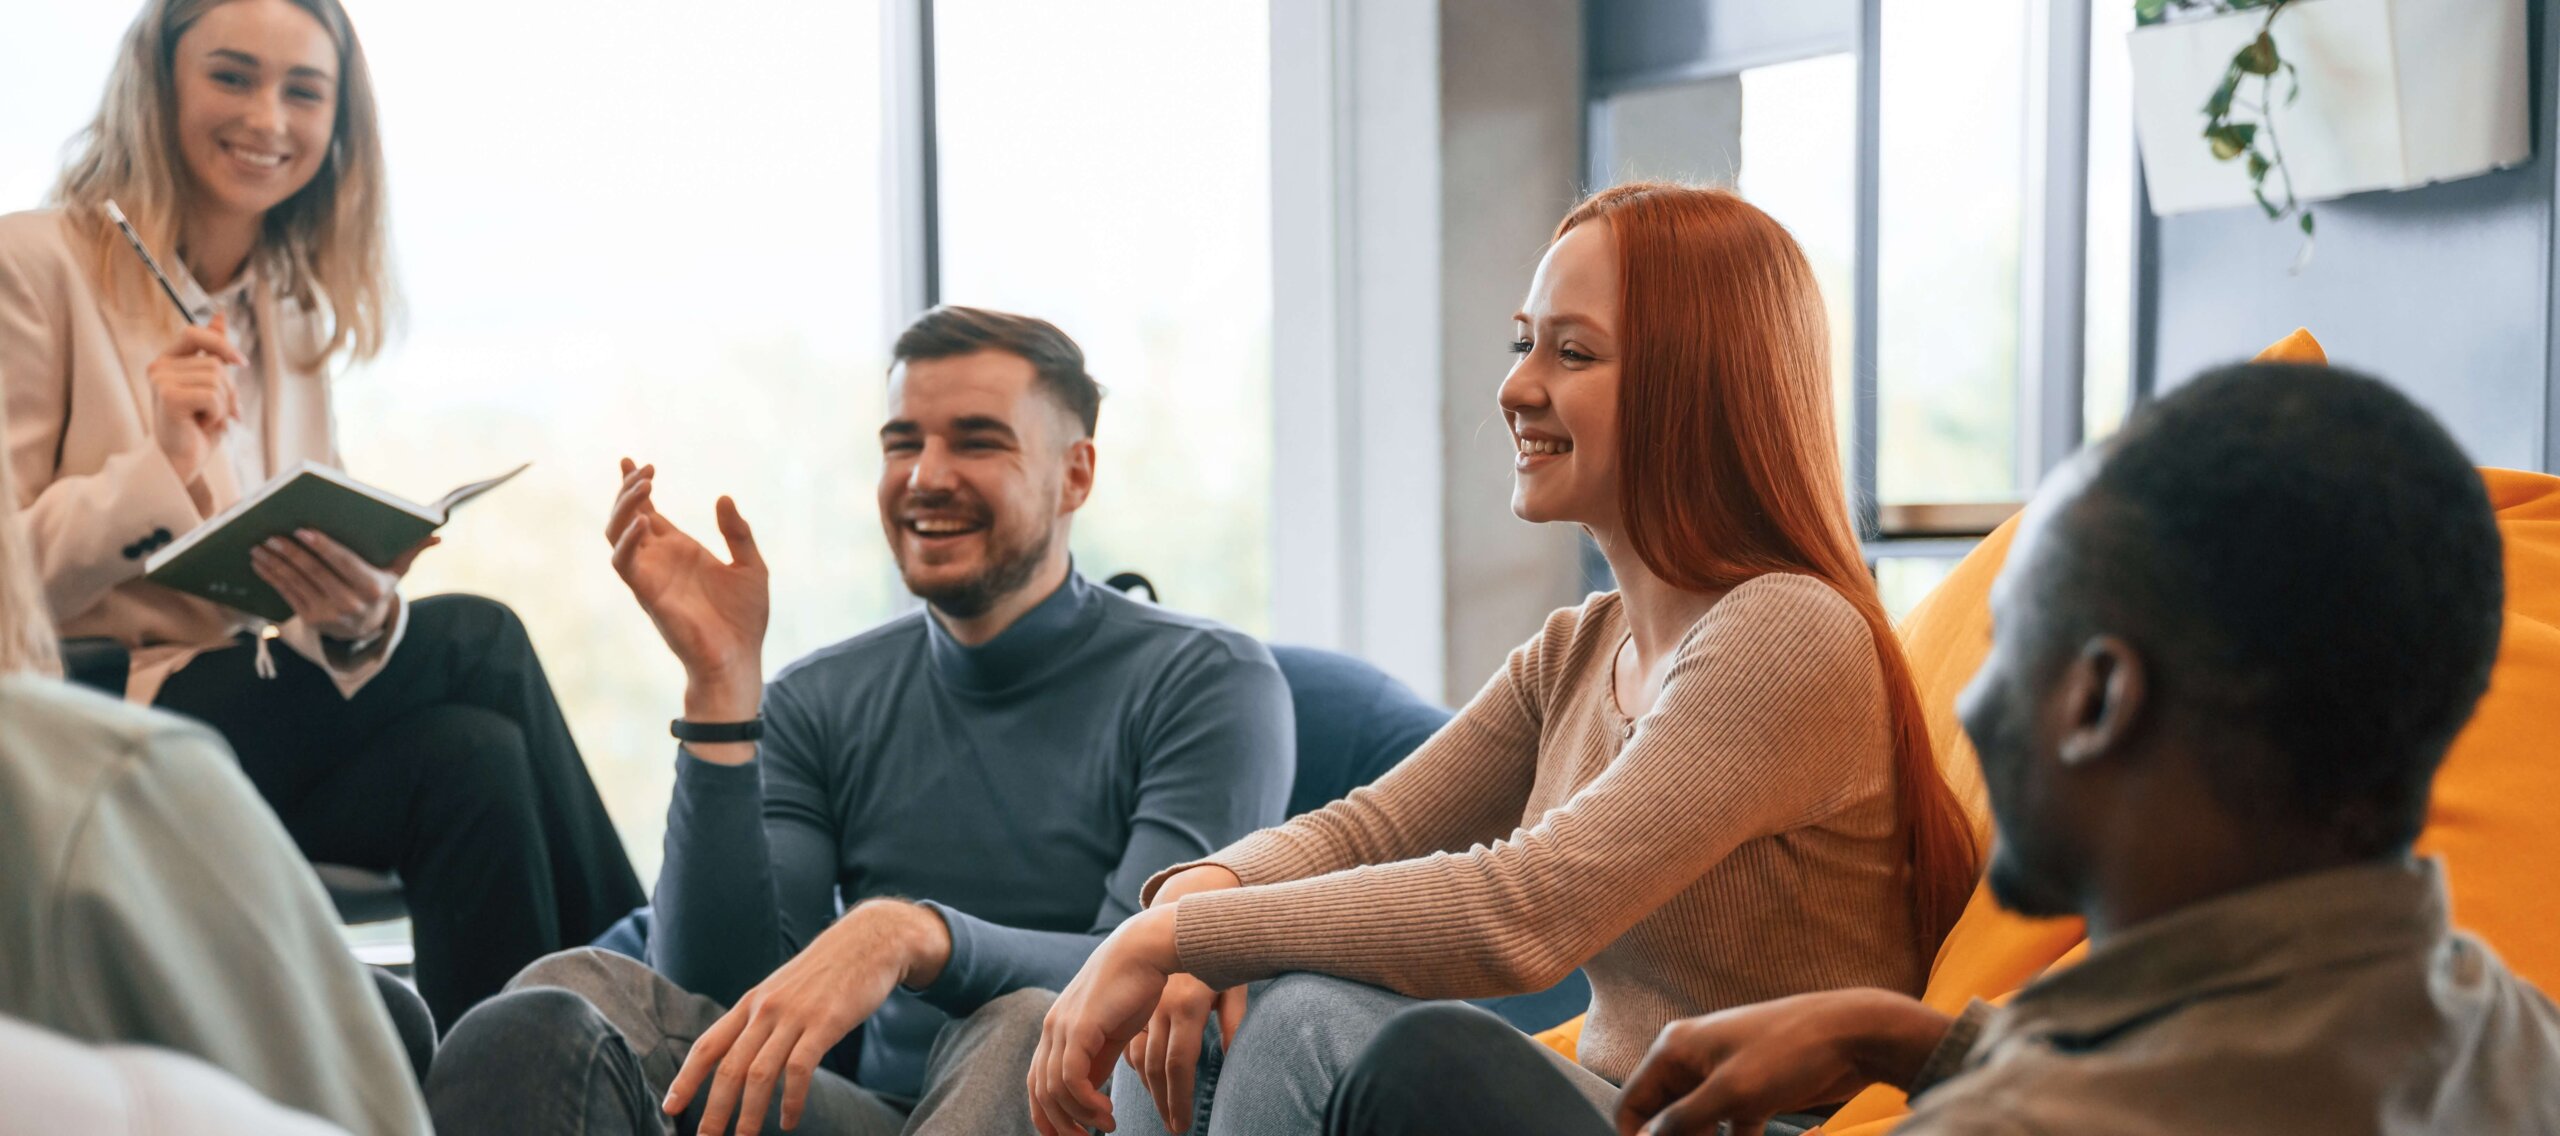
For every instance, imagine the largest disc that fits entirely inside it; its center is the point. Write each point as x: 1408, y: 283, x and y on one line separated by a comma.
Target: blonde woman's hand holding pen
x: 198, y: 401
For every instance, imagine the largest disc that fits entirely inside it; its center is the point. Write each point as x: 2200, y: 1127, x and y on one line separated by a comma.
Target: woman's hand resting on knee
x: 1166, y: 1054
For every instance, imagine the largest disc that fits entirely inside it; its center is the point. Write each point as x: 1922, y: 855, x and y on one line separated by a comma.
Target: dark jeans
x: 452, y: 767
x: 585, y: 1043
x: 1443, y: 1067
x: 1446, y: 1067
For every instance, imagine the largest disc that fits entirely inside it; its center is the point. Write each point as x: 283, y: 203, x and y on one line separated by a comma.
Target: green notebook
x: 213, y: 560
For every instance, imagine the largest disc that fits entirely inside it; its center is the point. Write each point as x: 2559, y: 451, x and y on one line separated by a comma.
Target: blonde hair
x: 322, y: 249
x: 26, y: 628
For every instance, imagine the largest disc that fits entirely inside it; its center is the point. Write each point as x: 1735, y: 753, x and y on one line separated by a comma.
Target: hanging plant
x: 2237, y: 128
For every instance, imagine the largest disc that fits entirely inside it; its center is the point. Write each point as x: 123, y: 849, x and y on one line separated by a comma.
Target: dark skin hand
x: 1745, y: 1065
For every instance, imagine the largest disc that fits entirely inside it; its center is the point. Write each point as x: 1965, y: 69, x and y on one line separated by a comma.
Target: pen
x: 135, y: 239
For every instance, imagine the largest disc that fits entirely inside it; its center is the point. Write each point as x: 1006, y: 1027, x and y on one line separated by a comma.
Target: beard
x: 1010, y: 564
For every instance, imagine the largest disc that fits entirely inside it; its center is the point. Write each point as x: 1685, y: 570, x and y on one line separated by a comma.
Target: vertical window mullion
x: 2054, y: 251
x: 1863, y: 403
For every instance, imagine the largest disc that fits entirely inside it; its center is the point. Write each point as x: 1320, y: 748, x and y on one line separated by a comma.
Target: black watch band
x: 747, y: 731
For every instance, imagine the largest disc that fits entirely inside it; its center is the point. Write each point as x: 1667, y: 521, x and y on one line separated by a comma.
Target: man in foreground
x: 2232, y: 646
x: 985, y: 783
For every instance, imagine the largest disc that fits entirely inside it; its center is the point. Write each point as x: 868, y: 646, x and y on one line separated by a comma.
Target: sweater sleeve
x: 190, y: 921
x: 1469, y: 783
x: 1772, y: 702
x: 1216, y: 751
x: 750, y: 870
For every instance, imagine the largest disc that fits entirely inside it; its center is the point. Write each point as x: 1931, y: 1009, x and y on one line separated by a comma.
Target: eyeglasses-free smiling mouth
x: 941, y: 527
x: 254, y: 161
x: 1533, y: 448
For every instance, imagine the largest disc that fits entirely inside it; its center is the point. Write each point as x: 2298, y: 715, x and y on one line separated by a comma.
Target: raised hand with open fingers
x: 710, y: 613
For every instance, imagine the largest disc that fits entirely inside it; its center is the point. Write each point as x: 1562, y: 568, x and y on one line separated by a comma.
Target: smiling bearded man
x: 984, y: 785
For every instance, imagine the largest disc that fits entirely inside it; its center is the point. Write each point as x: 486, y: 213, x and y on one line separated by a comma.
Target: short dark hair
x: 950, y: 330
x: 2313, y: 565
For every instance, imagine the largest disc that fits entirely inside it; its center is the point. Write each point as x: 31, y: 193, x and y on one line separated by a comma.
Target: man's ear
x: 1078, y: 484
x: 2104, y: 694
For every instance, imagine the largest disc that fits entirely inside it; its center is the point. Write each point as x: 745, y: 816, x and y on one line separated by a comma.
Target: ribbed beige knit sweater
x: 1735, y: 844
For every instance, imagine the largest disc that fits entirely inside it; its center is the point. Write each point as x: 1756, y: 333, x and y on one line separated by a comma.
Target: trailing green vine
x: 2239, y: 128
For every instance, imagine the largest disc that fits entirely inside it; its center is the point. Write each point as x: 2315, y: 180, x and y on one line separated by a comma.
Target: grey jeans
x: 587, y: 1042
x: 1301, y: 1034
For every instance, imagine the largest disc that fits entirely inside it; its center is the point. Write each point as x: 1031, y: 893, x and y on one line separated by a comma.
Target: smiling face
x: 1561, y: 398
x: 257, y: 94
x: 980, y: 472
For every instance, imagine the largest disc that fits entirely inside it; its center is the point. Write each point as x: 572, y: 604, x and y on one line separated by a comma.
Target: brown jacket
x: 2338, y: 1003
x: 94, y: 488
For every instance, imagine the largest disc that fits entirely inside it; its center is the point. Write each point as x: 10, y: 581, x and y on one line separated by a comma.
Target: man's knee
x: 1436, y: 1035
x: 530, y: 1052
x: 1006, y: 1028
x: 1016, y: 1012
x: 596, y: 976
x: 516, y: 1031
x: 1391, y: 1087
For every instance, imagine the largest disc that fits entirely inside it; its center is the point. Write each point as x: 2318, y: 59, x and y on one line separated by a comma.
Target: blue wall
x: 2445, y: 291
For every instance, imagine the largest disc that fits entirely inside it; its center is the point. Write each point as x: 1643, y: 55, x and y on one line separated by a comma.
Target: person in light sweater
x: 1708, y: 788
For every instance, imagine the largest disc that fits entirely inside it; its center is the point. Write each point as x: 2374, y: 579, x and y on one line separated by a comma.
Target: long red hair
x: 1729, y: 464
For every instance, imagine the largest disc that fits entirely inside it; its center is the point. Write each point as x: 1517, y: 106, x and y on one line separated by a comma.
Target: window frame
x: 2053, y: 242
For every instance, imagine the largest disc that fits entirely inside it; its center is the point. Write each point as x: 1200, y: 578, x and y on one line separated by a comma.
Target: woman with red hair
x: 1709, y: 788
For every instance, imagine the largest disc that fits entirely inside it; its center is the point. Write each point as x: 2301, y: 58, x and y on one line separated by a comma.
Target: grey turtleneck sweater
x: 1023, y: 789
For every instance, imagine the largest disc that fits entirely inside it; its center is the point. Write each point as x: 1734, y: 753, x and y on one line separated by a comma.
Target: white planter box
x: 2395, y: 93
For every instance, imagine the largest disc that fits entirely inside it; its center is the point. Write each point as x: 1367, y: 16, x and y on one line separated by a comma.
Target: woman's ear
x: 2103, y: 694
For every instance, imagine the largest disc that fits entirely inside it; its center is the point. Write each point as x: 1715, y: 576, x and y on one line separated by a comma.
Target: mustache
x: 944, y: 502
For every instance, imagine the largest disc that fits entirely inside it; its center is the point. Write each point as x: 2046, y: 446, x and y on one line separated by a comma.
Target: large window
x: 2108, y: 379
x: 1107, y: 167
x: 1953, y: 100
x: 632, y: 230
x: 639, y: 231
x: 1931, y: 164
x: 1799, y: 158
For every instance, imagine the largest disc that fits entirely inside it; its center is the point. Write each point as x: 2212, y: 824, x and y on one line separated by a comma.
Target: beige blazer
x: 96, y: 492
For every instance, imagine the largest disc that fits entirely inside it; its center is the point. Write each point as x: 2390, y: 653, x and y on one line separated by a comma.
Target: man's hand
x: 774, y: 1037
x: 1107, y: 1004
x: 1750, y: 1063
x: 712, y: 615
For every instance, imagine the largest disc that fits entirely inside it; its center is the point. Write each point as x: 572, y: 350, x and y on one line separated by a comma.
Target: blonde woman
x: 239, y: 136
